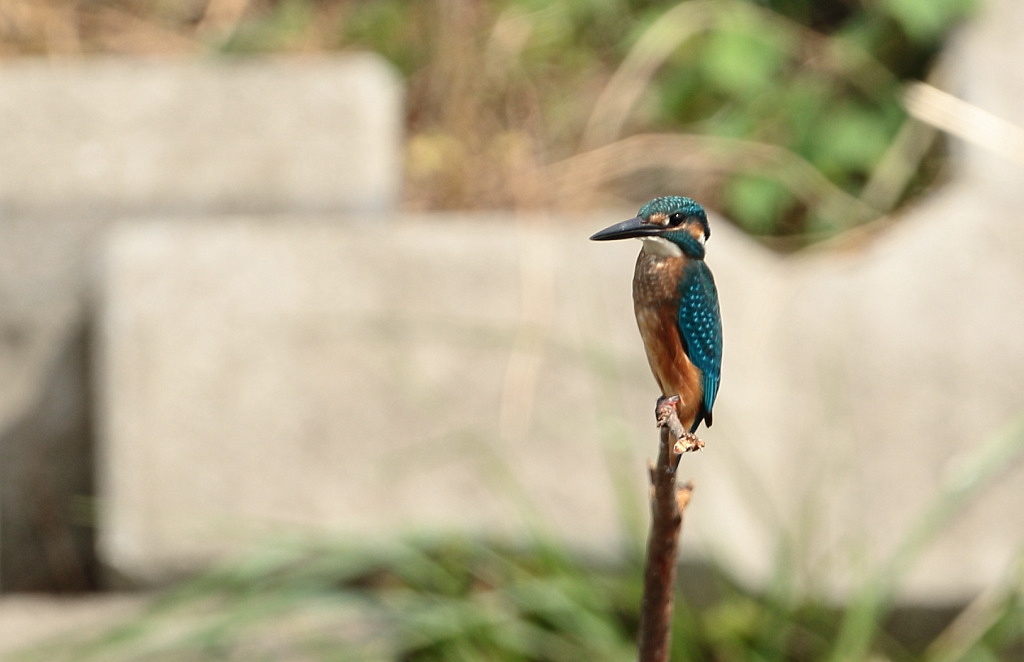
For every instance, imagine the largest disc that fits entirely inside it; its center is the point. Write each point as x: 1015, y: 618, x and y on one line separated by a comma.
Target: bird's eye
x: 676, y: 218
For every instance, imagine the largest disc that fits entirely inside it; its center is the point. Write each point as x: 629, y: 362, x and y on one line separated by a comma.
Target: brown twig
x: 667, y: 504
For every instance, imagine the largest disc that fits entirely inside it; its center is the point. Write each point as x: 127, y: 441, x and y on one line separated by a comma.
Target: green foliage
x: 462, y: 599
x: 821, y: 80
x: 501, y: 92
x: 390, y: 26
x: 925, y: 20
x: 285, y: 22
x: 741, y: 62
x: 758, y: 201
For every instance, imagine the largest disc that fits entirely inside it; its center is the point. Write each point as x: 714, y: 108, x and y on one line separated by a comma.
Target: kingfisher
x: 676, y: 305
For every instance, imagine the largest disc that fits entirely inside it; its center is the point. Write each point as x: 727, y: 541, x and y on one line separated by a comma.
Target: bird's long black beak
x: 628, y: 229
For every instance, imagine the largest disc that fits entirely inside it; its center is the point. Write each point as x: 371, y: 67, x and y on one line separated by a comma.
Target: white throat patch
x: 661, y: 247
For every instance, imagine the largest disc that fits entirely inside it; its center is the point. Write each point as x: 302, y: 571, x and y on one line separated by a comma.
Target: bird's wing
x: 700, y: 328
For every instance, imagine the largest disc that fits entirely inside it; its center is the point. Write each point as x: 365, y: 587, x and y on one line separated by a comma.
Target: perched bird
x: 676, y: 303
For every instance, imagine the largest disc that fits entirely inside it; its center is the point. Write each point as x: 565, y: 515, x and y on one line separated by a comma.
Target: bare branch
x: 667, y: 504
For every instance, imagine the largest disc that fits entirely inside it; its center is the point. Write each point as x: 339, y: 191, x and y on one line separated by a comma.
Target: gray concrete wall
x: 474, y: 374
x: 116, y: 136
x: 260, y: 376
x: 483, y: 374
x: 421, y: 374
x: 85, y: 142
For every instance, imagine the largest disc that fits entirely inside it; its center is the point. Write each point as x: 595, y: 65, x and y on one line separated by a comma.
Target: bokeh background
x: 780, y: 107
x: 307, y: 356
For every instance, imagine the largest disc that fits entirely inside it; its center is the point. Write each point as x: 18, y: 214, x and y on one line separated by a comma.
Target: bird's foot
x: 665, y: 411
x: 668, y: 417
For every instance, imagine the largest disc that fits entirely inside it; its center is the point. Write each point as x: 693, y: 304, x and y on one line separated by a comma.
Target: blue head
x: 674, y: 219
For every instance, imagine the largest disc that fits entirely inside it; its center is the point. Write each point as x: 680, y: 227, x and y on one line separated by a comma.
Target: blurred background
x: 498, y: 94
x: 306, y: 355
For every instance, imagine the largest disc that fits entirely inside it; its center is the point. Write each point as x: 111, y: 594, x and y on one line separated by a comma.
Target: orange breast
x: 655, y: 301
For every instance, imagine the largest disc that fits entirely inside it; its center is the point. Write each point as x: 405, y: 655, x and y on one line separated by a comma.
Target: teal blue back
x: 700, y: 329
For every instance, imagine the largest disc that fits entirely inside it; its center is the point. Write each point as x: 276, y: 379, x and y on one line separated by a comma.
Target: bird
x: 676, y: 304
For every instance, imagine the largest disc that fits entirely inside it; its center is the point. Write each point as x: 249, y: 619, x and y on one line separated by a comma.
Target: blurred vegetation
x: 465, y: 600
x: 456, y: 598
x: 784, y: 114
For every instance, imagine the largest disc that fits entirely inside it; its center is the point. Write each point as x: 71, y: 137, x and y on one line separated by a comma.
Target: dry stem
x: 667, y: 504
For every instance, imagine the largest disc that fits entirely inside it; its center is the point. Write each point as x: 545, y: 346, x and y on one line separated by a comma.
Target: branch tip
x: 686, y: 443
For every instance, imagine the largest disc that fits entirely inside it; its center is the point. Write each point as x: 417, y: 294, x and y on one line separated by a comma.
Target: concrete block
x: 83, y: 142
x: 32, y: 624
x: 259, y: 378
x: 485, y: 374
x: 132, y: 136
